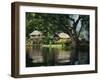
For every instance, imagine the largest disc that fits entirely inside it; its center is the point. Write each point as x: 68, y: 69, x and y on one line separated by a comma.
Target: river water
x: 46, y: 56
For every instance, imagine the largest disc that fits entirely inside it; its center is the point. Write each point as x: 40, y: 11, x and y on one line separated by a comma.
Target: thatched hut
x: 36, y: 49
x: 36, y: 36
x: 61, y: 37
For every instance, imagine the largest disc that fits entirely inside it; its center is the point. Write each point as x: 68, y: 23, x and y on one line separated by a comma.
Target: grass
x: 29, y: 45
x: 58, y: 46
x: 53, y: 45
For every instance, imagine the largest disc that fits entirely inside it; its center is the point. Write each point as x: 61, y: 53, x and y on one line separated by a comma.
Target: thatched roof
x: 36, y: 32
x: 63, y: 35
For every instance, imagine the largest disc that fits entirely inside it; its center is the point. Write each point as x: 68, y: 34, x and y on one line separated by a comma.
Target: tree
x: 74, y: 34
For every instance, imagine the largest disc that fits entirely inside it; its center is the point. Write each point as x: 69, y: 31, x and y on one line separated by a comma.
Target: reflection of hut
x: 36, y: 36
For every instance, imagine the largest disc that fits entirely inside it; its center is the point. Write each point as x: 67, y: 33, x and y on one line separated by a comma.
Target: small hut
x: 36, y: 36
x: 62, y: 37
x: 35, y: 52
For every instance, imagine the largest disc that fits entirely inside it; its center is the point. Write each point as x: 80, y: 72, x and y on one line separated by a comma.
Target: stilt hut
x: 36, y: 37
x: 36, y: 50
x: 61, y: 37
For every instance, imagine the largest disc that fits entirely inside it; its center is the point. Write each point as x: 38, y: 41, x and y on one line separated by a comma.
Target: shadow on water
x: 46, y: 56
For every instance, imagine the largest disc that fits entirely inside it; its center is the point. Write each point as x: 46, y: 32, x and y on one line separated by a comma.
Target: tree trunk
x: 74, y: 52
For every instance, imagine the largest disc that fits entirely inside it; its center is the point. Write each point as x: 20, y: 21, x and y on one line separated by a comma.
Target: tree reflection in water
x: 46, y: 56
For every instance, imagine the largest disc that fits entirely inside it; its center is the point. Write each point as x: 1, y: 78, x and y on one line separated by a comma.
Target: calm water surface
x: 45, y: 56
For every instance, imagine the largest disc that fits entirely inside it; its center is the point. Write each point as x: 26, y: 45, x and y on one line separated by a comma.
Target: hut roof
x: 36, y: 32
x: 63, y: 35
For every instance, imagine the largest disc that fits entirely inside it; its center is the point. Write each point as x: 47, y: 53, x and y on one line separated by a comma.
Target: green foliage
x: 49, y: 24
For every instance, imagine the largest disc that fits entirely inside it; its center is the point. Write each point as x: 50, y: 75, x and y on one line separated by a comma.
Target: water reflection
x: 46, y: 56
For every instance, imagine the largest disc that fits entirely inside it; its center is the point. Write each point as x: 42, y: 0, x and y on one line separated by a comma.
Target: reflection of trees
x: 55, y: 56
x: 76, y: 26
x: 35, y: 53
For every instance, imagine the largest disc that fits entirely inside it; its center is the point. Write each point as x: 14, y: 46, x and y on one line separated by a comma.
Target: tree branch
x: 70, y: 18
x: 75, y: 23
x: 79, y: 31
